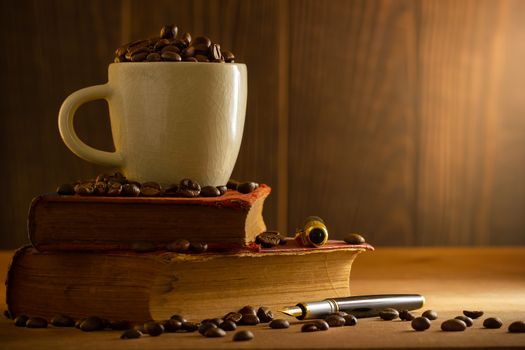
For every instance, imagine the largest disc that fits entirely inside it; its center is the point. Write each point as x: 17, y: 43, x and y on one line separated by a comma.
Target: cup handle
x: 67, y: 129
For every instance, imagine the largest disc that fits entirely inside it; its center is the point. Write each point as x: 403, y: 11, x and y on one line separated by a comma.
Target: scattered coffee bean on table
x: 243, y: 336
x: 265, y: 314
x: 131, y: 334
x: 204, y: 327
x: 268, y: 239
x: 92, y: 323
x: 79, y: 322
x: 215, y: 332
x: 322, y: 325
x: 420, y: 324
x: 154, y: 329
x: 335, y: 320
x: 389, y: 314
x: 228, y: 325
x: 492, y: 322
x: 36, y: 322
x: 198, y: 247
x: 248, y: 309
x: 350, y: 320
x: 354, y: 238
x: 430, y: 314
x: 468, y: 321
x: 178, y: 318
x: 473, y: 314
x: 120, y: 325
x: 247, y: 187
x: 279, y: 324
x: 233, y: 316
x: 250, y: 319
x: 62, y: 321
x: 453, y: 325
x: 190, y: 326
x: 178, y: 246
x: 406, y: 315
x: 309, y: 327
x: 517, y: 327
x: 172, y: 326
x: 218, y: 321
x: 20, y: 321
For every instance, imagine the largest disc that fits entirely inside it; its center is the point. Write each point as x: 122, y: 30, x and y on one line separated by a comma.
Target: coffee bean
x: 171, y: 56
x: 79, y: 322
x: 233, y: 316
x: 247, y: 187
x: 268, y: 239
x: 36, y: 322
x: 228, y: 325
x: 405, y: 315
x: 168, y: 31
x: 215, y: 52
x: 151, y: 189
x: 154, y: 329
x: 92, y: 323
x: 215, y: 333
x: 100, y: 188
x: 190, y: 59
x: 172, y: 48
x: 159, y: 45
x: 335, y: 320
x: 243, y: 336
x: 139, y: 56
x: 453, y: 325
x: 492, y: 322
x: 189, y: 52
x: 339, y: 313
x: 143, y: 247
x: 217, y: 321
x: 114, y: 189
x: 250, y: 319
x: 178, y: 318
x: 322, y: 325
x: 350, y: 320
x: 153, y: 57
x: 248, y: 309
x: 201, y: 43
x: 186, y: 38
x: 178, y: 246
x: 517, y: 327
x: 420, y: 323
x: 190, y: 326
x: 85, y: 188
x: 279, y: 324
x: 232, y: 184
x: 222, y: 189
x: 210, y: 191
x: 201, y: 58
x: 228, y: 56
x: 66, y: 189
x: 265, y: 314
x: 62, y: 321
x: 198, y: 247
x: 131, y: 334
x: 120, y: 325
x: 189, y: 188
x: 468, y: 321
x: 205, y: 326
x: 171, y: 326
x: 389, y: 314
x: 130, y: 190
x: 20, y: 321
x: 430, y: 314
x: 473, y: 314
x: 309, y: 327
x: 354, y: 238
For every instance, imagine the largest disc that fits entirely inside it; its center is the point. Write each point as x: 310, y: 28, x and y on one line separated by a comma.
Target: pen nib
x: 294, y: 311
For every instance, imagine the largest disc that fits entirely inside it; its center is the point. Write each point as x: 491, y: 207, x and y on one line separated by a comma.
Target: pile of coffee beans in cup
x: 117, y: 185
x: 170, y: 47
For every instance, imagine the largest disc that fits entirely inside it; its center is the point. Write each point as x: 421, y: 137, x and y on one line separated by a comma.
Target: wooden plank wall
x: 400, y: 119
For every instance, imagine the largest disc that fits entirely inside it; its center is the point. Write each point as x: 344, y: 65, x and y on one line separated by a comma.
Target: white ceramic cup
x: 169, y: 120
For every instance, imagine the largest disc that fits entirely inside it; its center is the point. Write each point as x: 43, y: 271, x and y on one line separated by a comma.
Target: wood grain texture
x: 54, y: 48
x: 405, y: 120
x: 249, y: 30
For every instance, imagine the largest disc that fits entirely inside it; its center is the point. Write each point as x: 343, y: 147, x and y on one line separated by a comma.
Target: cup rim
x: 183, y: 62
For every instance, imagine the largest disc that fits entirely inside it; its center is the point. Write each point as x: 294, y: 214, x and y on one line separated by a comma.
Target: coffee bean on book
x: 222, y: 189
x: 473, y: 314
x: 265, y: 314
x: 130, y: 190
x: 430, y: 314
x: 151, y: 189
x: 279, y: 324
x: 517, y: 327
x: 268, y: 239
x: 228, y: 325
x: 92, y: 323
x: 247, y: 187
x: 243, y: 336
x: 420, y: 324
x: 62, y: 321
x: 492, y: 322
x: 131, y: 334
x: 389, y: 314
x: 100, y: 188
x: 309, y: 327
x: 85, y: 189
x: 66, y: 189
x: 453, y: 325
x: 350, y: 320
x: 114, y: 189
x: 322, y: 325
x: 178, y: 246
x: 210, y: 191
x: 188, y: 188
x: 335, y: 320
x: 215, y: 333
x: 468, y: 321
x: 354, y: 238
x: 20, y: 321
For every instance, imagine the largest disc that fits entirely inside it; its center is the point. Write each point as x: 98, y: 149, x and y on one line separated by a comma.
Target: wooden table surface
x: 451, y: 279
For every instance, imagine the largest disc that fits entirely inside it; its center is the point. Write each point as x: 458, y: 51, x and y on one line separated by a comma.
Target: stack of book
x: 88, y: 258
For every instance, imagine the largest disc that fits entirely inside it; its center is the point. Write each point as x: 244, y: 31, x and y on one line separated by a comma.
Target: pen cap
x: 313, y: 233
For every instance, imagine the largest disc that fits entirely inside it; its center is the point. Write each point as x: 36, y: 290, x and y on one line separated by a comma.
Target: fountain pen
x: 359, y: 306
